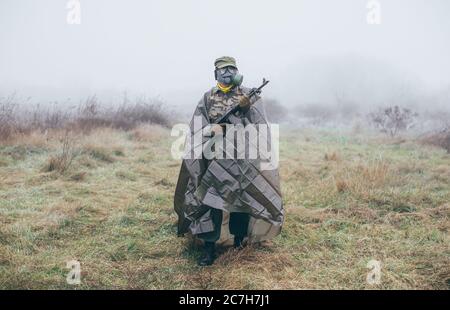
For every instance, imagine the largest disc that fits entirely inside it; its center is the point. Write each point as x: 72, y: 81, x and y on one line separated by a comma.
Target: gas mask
x: 228, y: 76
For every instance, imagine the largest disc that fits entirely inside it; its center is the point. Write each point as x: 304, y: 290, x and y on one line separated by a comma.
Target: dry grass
x: 331, y: 156
x: 148, y: 133
x: 111, y: 209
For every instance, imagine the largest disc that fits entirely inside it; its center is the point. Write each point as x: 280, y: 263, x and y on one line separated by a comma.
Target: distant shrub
x: 8, y: 125
x: 128, y: 116
x: 62, y: 161
x: 89, y: 115
x: 393, y: 120
x: 440, y: 139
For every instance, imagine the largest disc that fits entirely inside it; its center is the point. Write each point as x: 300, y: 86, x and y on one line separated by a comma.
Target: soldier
x: 225, y: 198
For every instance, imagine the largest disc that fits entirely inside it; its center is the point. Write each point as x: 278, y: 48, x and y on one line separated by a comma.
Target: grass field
x: 349, y: 198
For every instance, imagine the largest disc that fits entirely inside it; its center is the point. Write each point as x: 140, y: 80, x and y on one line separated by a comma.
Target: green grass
x: 349, y: 198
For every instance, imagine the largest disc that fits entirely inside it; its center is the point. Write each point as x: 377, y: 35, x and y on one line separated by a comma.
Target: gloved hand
x: 244, y: 102
x: 216, y: 129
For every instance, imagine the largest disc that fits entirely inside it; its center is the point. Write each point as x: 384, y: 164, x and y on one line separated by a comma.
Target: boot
x: 238, y: 242
x: 208, y: 256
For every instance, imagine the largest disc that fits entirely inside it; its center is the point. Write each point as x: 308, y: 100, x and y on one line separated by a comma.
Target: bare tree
x: 392, y: 120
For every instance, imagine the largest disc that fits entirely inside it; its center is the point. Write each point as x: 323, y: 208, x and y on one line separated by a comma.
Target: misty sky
x: 167, y: 48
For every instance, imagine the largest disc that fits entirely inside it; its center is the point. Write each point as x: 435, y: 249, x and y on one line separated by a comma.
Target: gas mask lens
x: 227, y: 70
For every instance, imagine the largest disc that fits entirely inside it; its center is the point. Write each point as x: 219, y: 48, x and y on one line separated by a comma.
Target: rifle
x: 253, y: 92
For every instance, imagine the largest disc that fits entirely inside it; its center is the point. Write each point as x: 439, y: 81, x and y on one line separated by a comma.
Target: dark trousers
x: 238, y: 225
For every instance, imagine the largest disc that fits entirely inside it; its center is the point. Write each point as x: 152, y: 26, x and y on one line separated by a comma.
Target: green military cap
x: 225, y: 61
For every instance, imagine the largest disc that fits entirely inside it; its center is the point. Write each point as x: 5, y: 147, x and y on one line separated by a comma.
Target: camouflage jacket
x: 218, y: 102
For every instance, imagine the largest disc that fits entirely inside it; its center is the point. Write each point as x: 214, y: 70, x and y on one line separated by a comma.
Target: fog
x: 311, y: 50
